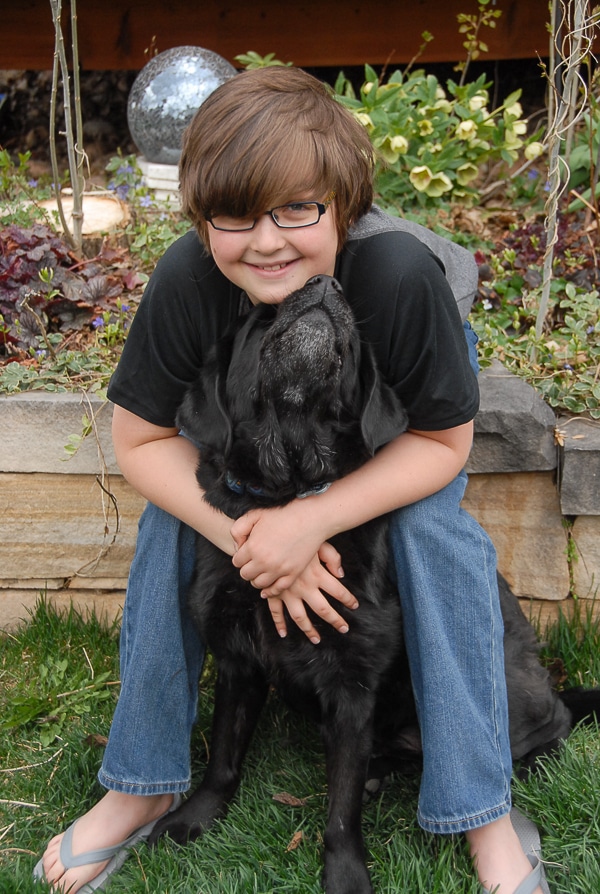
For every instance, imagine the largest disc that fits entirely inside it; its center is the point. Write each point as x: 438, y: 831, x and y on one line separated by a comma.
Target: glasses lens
x: 226, y: 222
x: 300, y: 214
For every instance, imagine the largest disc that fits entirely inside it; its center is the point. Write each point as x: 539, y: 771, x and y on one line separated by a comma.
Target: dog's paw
x: 176, y: 829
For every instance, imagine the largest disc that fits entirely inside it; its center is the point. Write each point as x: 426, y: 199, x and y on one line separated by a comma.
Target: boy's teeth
x: 274, y: 267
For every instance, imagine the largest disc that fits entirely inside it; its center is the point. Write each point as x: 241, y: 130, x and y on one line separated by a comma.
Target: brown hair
x: 269, y: 136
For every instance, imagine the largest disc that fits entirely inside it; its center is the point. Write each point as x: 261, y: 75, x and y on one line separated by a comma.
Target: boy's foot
x: 114, y: 820
x: 499, y: 858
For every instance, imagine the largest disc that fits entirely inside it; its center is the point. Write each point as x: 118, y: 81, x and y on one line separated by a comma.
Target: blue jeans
x: 446, y: 572
x: 161, y: 656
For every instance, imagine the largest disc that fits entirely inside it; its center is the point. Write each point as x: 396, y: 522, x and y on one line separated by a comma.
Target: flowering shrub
x: 442, y: 141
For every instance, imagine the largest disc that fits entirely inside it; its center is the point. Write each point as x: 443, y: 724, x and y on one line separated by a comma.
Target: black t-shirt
x: 395, y: 285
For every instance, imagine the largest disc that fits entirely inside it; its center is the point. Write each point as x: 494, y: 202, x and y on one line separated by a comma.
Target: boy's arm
x: 413, y: 466
x: 161, y: 466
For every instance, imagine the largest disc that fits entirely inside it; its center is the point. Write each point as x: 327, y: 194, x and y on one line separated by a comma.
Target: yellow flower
x: 364, y: 119
x: 367, y: 87
x: 399, y: 144
x: 391, y: 147
x: 534, y: 150
x: 425, y: 127
x: 443, y: 106
x: 511, y: 140
x: 516, y: 109
x: 466, y: 173
x: 438, y: 185
x: 478, y: 102
x: 420, y: 177
x: 466, y: 130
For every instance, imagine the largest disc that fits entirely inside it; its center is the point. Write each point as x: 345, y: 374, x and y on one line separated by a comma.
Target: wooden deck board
x: 310, y: 33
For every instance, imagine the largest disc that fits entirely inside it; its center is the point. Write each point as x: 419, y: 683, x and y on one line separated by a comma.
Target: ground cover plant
x: 59, y: 684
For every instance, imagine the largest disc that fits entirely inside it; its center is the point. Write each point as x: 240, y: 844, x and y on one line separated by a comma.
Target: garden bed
x: 70, y: 521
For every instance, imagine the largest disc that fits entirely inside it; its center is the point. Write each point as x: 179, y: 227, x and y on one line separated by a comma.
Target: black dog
x: 288, y: 403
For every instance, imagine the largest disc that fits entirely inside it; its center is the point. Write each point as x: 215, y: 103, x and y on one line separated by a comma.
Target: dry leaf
x: 297, y: 839
x: 97, y: 740
x: 290, y: 800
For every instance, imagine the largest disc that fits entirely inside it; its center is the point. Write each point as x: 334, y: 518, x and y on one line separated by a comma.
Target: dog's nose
x: 329, y: 283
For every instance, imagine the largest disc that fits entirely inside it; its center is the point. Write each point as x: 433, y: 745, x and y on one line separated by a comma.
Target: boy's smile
x: 269, y: 262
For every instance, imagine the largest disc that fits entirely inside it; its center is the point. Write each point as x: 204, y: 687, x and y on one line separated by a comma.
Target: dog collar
x: 255, y: 490
x: 240, y: 487
x: 314, y: 490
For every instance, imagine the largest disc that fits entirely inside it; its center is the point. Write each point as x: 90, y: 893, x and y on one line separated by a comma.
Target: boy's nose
x: 266, y: 235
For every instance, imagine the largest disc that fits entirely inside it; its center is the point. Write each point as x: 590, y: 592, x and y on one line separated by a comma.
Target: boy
x: 277, y: 178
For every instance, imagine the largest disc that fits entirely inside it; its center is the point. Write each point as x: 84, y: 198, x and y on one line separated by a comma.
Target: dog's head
x: 292, y: 400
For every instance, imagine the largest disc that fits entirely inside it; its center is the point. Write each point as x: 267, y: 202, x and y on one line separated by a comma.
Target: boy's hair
x: 270, y: 136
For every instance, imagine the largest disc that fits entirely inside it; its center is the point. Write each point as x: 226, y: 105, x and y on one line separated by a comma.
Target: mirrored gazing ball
x: 166, y: 94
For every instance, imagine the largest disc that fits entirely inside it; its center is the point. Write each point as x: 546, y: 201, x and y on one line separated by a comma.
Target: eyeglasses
x: 294, y: 215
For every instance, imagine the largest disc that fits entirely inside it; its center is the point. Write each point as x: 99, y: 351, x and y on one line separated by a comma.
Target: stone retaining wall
x: 69, y: 524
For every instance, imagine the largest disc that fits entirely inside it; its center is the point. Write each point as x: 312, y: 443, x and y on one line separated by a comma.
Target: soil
x: 25, y: 111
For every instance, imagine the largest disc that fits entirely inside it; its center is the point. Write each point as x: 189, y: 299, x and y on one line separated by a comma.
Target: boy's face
x: 269, y: 262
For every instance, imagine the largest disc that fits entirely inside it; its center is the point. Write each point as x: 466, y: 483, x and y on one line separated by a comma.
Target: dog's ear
x: 273, y: 460
x: 383, y: 416
x: 203, y: 416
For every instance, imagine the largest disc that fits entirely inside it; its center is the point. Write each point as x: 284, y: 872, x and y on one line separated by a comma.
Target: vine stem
x: 565, y: 72
x: 75, y: 153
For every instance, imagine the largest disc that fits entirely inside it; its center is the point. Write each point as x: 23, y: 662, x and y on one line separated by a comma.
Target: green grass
x: 48, y: 767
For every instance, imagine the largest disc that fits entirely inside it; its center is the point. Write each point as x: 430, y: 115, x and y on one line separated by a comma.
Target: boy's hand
x: 281, y: 554
x: 273, y: 546
x: 307, y: 590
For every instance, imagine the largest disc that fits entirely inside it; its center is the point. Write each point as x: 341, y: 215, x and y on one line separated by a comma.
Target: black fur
x: 289, y: 401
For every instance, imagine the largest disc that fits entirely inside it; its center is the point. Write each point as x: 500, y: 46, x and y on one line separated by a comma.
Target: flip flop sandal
x: 529, y: 837
x: 531, y: 882
x: 116, y: 855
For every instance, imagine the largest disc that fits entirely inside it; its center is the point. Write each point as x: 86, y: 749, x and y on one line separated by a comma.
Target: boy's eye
x: 227, y: 222
x: 296, y: 214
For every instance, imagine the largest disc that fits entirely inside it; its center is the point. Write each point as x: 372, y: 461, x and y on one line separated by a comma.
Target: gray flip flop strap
x: 531, y: 882
x: 70, y: 861
x: 534, y: 879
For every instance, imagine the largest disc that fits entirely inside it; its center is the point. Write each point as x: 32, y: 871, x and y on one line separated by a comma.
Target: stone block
x: 57, y: 526
x: 514, y: 429
x: 36, y: 426
x: 586, y: 569
x: 521, y: 513
x: 579, y: 466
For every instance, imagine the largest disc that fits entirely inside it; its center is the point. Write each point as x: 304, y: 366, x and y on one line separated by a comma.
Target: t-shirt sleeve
x: 407, y: 312
x: 186, y: 306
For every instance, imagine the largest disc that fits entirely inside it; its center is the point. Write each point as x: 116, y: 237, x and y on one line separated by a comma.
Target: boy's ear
x: 203, y: 416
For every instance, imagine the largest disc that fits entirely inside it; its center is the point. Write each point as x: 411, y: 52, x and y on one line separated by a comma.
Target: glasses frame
x: 321, y: 208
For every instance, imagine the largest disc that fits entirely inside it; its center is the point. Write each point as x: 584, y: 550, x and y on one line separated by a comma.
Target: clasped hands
x: 284, y: 556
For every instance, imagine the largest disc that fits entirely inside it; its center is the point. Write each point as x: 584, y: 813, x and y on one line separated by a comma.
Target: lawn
x: 59, y: 685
